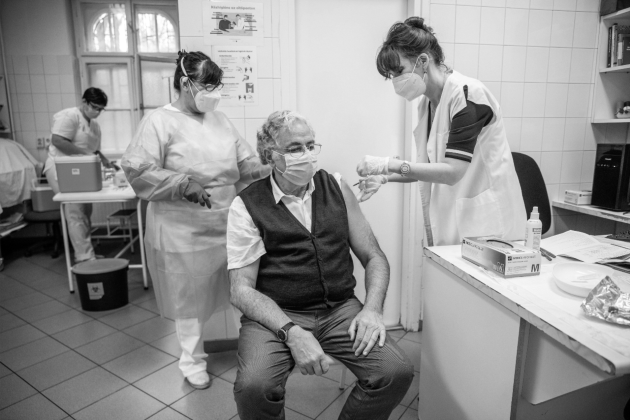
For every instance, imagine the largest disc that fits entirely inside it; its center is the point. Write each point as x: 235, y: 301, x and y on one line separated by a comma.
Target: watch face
x: 282, y: 335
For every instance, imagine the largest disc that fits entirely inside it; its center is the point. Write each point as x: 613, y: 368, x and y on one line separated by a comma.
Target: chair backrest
x: 533, y: 188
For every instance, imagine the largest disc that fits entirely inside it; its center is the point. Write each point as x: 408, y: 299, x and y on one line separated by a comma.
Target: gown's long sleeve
x: 143, y: 163
x: 250, y: 167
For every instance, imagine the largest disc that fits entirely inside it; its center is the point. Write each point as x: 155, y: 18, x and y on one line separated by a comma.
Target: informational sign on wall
x: 240, y: 74
x: 232, y: 23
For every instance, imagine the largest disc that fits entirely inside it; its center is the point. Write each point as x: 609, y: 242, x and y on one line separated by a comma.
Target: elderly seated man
x: 289, y: 238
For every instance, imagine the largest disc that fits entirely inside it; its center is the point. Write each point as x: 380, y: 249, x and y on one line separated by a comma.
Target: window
x: 156, y: 32
x: 106, y: 27
x: 128, y: 49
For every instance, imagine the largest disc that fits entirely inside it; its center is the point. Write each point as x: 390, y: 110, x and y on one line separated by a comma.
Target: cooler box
x: 79, y: 173
x: 102, y: 283
x: 42, y: 197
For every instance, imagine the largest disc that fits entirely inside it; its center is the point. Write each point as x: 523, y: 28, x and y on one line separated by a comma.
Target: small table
x: 109, y: 194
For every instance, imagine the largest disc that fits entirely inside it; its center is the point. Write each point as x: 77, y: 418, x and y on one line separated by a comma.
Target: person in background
x: 76, y: 132
x: 289, y: 239
x: 469, y: 185
x: 185, y: 159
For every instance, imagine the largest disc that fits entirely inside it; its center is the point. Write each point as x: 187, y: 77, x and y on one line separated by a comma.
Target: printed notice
x: 240, y: 75
x: 232, y: 23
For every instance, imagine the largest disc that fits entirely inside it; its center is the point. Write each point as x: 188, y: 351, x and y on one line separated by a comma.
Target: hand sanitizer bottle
x: 533, y: 231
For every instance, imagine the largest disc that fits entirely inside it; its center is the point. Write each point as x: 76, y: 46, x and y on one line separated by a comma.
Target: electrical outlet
x: 47, y: 141
x: 41, y: 142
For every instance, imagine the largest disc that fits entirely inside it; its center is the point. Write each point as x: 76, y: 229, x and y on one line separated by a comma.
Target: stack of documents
x: 585, y: 248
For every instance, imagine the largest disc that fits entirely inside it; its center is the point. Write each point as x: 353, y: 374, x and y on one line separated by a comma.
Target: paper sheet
x: 582, y: 247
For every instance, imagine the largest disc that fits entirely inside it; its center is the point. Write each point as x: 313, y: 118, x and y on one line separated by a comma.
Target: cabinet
x: 612, y: 84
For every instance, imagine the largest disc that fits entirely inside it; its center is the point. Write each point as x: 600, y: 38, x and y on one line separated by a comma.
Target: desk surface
x: 540, y: 302
x: 108, y: 193
x: 617, y: 216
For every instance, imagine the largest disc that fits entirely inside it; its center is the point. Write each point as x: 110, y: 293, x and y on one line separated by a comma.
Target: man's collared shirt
x: 244, y: 243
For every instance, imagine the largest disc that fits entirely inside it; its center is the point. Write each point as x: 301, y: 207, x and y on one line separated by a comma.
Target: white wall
x: 41, y: 67
x: 353, y: 110
x: 538, y: 58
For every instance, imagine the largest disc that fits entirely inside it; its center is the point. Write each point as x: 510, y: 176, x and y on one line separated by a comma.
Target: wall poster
x: 232, y: 22
x: 240, y: 74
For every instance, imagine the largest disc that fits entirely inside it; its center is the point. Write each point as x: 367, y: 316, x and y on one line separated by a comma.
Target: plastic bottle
x: 533, y: 231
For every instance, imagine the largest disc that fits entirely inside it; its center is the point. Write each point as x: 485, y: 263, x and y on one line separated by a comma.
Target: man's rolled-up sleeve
x: 244, y: 243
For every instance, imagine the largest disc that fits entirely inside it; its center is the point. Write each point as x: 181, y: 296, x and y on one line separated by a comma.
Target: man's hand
x: 195, y: 193
x: 307, y: 353
x: 365, y: 329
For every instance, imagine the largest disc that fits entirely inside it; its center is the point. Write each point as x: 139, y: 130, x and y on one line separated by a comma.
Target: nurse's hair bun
x: 418, y: 23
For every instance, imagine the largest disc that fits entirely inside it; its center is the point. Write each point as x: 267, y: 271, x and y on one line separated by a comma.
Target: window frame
x: 132, y: 58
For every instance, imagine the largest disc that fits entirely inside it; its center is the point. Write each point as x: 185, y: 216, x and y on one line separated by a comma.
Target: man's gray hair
x: 277, y: 122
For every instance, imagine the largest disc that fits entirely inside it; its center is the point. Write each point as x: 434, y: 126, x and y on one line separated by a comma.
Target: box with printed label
x: 578, y: 197
x: 79, y: 173
x: 504, y: 258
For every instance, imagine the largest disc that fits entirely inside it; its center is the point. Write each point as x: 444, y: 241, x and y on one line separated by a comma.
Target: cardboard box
x: 505, y: 258
x: 578, y: 197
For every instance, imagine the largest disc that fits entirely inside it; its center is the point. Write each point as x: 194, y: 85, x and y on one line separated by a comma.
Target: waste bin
x: 102, y: 283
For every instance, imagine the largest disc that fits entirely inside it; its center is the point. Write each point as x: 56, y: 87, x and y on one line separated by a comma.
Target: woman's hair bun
x: 416, y: 22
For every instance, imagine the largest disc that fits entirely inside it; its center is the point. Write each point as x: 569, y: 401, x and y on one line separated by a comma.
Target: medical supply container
x: 533, y: 230
x: 102, y: 283
x: 578, y: 197
x: 42, y: 197
x: 507, y: 259
x: 81, y: 173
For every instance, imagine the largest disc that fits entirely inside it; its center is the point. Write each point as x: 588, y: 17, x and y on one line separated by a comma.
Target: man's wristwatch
x: 405, y: 168
x: 283, y: 333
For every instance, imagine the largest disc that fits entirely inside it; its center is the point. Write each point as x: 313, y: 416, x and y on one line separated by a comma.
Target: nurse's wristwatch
x: 405, y: 168
x: 283, y: 333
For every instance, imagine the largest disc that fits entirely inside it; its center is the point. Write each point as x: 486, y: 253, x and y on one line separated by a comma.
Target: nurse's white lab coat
x: 488, y: 199
x: 185, y: 242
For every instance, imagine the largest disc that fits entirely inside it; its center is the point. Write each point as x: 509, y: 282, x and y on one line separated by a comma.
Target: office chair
x: 533, y: 188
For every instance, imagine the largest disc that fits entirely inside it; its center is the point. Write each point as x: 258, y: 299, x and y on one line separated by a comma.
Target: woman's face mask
x: 299, y: 171
x: 206, y: 101
x: 410, y: 85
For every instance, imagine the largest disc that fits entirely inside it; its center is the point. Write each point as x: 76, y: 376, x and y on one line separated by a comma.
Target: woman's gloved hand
x: 195, y: 193
x: 373, y: 165
x: 369, y: 186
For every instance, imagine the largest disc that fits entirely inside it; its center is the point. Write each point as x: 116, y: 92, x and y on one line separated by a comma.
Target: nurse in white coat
x: 185, y: 160
x: 469, y: 186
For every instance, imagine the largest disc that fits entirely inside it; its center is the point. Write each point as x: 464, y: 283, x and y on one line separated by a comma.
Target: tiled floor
x: 59, y: 362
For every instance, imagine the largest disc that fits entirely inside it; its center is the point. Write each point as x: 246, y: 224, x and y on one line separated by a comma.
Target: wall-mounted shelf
x: 611, y: 121
x: 619, y: 14
x: 620, y: 69
x: 612, y: 84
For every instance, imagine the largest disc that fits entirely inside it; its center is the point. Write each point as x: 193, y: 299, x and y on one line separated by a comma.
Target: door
x: 353, y: 111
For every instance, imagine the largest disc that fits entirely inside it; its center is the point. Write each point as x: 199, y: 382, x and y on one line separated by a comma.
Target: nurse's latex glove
x: 195, y: 193
x: 373, y: 165
x: 369, y: 186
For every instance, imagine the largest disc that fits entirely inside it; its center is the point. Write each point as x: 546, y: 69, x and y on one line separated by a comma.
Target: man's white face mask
x: 300, y: 170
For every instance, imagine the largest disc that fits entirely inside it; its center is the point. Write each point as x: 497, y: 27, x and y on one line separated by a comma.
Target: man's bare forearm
x: 255, y: 305
x: 376, y: 281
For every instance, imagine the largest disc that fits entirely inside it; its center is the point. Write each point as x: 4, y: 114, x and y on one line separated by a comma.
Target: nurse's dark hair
x: 409, y: 38
x: 199, y: 67
x: 94, y: 95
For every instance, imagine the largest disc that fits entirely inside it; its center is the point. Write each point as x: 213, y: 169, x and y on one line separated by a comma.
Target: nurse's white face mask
x: 410, y: 85
x: 204, y: 101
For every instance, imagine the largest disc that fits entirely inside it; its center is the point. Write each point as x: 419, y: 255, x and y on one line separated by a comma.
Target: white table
x: 520, y: 348
x: 109, y: 194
